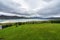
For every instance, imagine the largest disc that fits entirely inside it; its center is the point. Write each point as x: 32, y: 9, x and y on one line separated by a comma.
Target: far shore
x: 13, y: 21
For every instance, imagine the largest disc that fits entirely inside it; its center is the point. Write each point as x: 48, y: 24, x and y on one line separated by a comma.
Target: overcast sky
x: 31, y: 8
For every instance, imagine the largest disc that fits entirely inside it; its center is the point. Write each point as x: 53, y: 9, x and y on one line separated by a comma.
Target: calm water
x: 22, y: 20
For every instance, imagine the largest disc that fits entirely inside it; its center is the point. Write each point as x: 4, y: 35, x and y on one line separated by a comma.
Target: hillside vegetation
x: 44, y: 31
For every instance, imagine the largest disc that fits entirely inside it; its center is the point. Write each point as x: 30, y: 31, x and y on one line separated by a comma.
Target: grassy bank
x: 44, y: 31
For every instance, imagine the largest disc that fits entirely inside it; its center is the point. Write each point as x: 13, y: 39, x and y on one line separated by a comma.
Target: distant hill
x: 10, y: 17
x: 16, y: 17
x: 54, y: 18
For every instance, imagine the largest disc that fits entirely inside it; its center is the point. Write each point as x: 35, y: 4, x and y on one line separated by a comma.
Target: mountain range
x: 17, y: 17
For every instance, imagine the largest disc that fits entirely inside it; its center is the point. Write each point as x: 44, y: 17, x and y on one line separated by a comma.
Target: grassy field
x: 44, y: 31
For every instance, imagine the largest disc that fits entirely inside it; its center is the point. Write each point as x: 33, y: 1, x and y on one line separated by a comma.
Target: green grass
x: 45, y: 31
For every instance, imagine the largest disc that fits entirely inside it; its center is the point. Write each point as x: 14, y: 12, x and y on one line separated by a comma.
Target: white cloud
x: 9, y: 14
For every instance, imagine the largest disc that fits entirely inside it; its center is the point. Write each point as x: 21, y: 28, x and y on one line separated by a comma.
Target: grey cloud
x: 8, y: 6
x: 51, y: 10
x: 47, y: 0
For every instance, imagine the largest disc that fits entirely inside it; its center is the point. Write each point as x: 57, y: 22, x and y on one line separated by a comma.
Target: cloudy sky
x: 30, y: 8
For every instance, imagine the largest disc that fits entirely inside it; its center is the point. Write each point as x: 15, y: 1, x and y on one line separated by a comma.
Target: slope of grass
x: 46, y: 31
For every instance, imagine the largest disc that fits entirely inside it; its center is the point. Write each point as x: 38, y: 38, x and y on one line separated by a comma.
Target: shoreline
x: 15, y: 21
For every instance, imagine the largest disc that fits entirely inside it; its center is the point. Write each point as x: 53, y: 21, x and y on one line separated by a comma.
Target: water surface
x: 21, y: 20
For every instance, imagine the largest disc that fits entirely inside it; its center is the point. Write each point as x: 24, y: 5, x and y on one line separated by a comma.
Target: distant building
x: 0, y: 26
